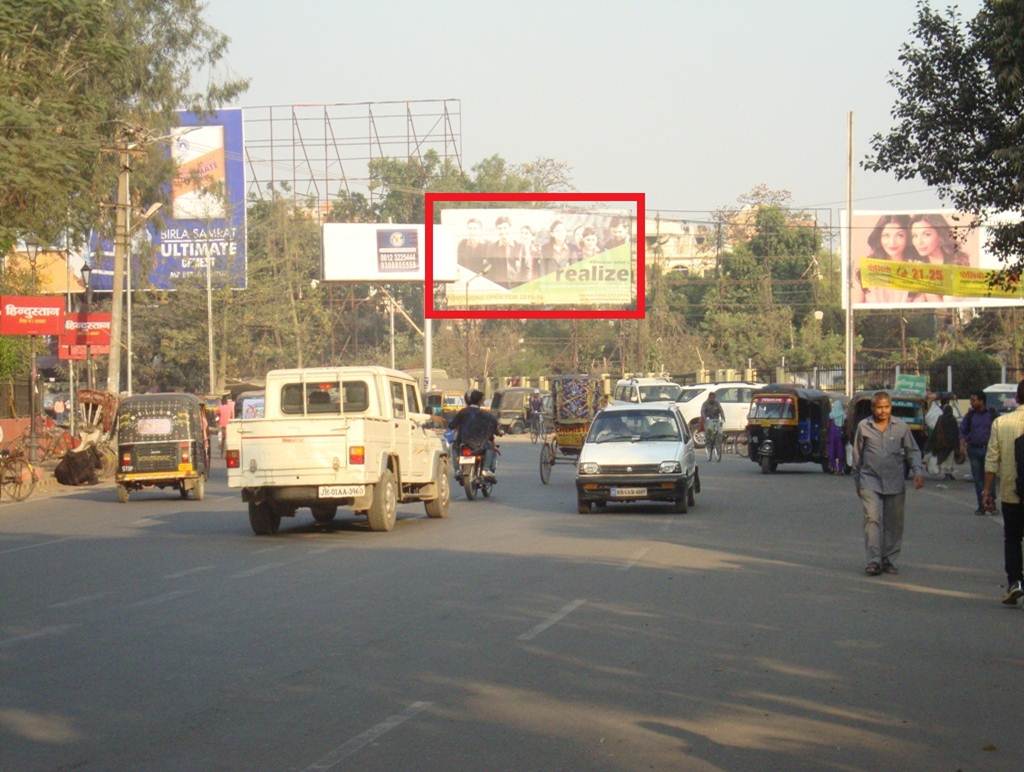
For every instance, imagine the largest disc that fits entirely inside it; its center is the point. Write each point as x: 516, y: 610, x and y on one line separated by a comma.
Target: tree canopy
x: 76, y: 76
x: 959, y: 117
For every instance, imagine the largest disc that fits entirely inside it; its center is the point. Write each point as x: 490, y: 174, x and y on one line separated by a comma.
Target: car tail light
x: 232, y: 459
x: 184, y: 452
x: 357, y: 454
x: 467, y: 452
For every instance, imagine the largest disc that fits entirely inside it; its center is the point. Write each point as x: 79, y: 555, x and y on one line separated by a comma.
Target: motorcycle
x: 471, y: 467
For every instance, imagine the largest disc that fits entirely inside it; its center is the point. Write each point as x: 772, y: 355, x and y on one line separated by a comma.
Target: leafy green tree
x: 78, y: 77
x: 972, y: 370
x: 958, y: 108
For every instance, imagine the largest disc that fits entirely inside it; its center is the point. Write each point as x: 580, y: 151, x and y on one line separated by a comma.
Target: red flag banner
x: 82, y: 329
x: 31, y: 315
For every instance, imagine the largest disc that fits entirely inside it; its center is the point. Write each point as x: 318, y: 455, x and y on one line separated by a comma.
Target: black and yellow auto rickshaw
x: 788, y: 424
x: 907, y: 406
x: 162, y: 441
x: 445, y: 403
x: 512, y: 408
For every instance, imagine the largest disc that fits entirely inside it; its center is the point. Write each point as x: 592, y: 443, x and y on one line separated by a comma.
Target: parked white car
x: 637, y: 453
x: 734, y: 397
x: 636, y: 390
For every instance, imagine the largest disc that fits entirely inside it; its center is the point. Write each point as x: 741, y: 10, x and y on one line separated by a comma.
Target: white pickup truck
x: 337, y: 436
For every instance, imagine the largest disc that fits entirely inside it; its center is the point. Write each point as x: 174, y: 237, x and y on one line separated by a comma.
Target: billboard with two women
x: 922, y: 259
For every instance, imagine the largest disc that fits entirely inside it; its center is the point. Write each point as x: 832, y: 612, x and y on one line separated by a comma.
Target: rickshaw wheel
x: 182, y: 490
x: 546, y: 461
x: 767, y: 465
x: 199, y: 489
x: 122, y: 494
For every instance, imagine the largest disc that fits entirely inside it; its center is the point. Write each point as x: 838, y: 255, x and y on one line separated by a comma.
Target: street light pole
x: 209, y: 321
x: 117, y: 292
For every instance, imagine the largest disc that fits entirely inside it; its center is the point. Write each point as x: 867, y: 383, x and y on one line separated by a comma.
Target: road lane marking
x: 554, y: 619
x: 267, y: 549
x: 146, y: 522
x: 187, y: 572
x: 256, y: 570
x: 43, y: 632
x: 79, y: 601
x: 635, y: 559
x: 33, y: 546
x: 155, y: 599
x: 360, y: 741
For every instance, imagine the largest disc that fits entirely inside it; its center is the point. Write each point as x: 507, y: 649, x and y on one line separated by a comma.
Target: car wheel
x: 263, y: 520
x: 681, y: 505
x: 691, y: 495
x: 383, y: 511
x: 439, y: 507
x: 583, y: 507
x: 699, y: 440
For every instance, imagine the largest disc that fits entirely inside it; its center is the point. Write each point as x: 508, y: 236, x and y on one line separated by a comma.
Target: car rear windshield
x: 686, y: 395
x: 661, y: 392
x: 634, y: 426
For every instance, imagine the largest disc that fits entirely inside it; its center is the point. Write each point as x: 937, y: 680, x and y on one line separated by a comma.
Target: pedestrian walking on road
x: 975, y: 429
x: 882, y: 445
x: 1000, y: 462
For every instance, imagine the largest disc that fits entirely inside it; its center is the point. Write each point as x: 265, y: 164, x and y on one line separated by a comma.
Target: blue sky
x: 691, y: 102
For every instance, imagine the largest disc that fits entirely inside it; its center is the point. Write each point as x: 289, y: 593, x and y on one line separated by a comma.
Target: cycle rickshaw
x: 577, y: 399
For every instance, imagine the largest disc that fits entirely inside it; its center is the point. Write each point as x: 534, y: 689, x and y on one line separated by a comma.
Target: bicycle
x: 537, y: 428
x: 51, y: 442
x: 714, y: 438
x: 17, y: 477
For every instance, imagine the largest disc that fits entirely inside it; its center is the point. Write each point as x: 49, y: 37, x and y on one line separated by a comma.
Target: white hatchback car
x: 734, y: 397
x: 637, y: 453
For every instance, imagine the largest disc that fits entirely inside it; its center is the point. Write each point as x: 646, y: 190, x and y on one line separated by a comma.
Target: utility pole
x: 120, y: 247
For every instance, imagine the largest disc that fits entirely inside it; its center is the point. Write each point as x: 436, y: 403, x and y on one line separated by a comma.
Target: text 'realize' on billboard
x: 921, y: 259
x: 563, y: 255
x: 205, y: 221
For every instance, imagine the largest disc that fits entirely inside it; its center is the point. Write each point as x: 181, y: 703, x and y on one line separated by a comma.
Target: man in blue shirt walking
x: 975, y: 429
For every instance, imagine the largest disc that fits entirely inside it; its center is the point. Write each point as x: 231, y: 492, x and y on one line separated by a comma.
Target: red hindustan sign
x: 86, y: 330
x: 31, y: 315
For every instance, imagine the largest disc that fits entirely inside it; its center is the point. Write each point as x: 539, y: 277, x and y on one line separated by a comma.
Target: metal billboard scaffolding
x: 323, y: 151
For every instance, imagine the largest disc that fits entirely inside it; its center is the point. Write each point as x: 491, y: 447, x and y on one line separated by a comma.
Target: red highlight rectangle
x: 429, y: 311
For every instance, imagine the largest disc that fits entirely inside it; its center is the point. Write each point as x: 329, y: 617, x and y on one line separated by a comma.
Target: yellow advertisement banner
x: 936, y: 279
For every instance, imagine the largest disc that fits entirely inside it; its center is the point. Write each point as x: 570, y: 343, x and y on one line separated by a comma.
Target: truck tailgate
x: 291, y: 452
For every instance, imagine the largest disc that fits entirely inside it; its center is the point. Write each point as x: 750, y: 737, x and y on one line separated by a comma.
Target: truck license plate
x: 340, y: 491
x: 623, y: 493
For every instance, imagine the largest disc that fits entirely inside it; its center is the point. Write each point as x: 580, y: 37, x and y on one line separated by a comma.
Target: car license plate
x: 624, y: 493
x: 340, y: 491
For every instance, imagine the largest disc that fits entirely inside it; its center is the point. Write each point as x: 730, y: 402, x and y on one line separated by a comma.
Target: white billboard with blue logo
x: 205, y: 222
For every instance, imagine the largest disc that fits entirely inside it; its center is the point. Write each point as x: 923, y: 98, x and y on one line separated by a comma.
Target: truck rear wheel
x: 263, y: 519
x: 382, y: 512
x: 439, y: 507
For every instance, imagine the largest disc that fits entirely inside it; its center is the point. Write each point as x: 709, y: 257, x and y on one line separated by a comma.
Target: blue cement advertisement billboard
x: 205, y: 221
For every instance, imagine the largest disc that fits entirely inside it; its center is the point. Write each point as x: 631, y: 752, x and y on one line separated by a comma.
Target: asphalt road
x: 514, y: 635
